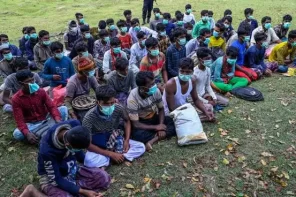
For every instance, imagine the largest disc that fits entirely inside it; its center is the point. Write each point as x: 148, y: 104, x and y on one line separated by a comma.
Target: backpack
x: 248, y: 93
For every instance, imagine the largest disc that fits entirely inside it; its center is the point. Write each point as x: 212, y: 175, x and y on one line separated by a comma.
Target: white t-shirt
x: 188, y: 18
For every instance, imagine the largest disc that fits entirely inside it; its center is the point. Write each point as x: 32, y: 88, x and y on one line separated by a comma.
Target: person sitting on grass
x: 31, y: 42
x: 124, y: 37
x: 254, y: 57
x: 203, y: 23
x: 188, y: 16
x: 42, y: 50
x: 154, y: 61
x: 33, y: 110
x: 211, y: 19
x: 71, y: 36
x: 122, y: 80
x: 179, y: 20
x: 80, y: 84
x: 85, y: 37
x: 135, y: 28
x: 179, y: 89
x: 249, y: 21
x: 202, y: 73
x: 11, y: 84
x: 4, y: 41
x: 59, y: 153
x: 138, y: 51
x: 163, y: 39
x: 175, y: 52
x: 102, y: 45
x: 229, y: 31
x: 113, y: 32
x: 282, y: 29
x: 128, y: 18
x: 223, y: 72
x: 111, y: 55
x: 23, y: 41
x: 7, y: 63
x: 241, y: 45
x: 201, y: 41
x: 169, y: 26
x: 59, y: 68
x: 283, y: 50
x: 110, y: 139
x: 156, y: 20
x: 217, y: 44
x: 81, y: 49
x: 146, y: 112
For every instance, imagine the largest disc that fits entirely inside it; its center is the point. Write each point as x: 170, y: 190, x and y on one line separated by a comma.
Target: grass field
x: 251, y: 151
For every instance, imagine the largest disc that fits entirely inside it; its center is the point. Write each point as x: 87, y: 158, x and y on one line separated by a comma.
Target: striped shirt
x: 154, y: 66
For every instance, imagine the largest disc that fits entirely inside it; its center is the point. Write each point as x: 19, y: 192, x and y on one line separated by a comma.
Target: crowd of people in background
x: 139, y: 75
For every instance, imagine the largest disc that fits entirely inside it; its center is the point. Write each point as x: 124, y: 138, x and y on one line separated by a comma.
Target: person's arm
x: 151, y: 32
x: 170, y: 94
x: 18, y: 51
x: 127, y: 131
x: 217, y: 72
x: 223, y: 47
x: 188, y: 47
x: 19, y: 117
x: 37, y: 58
x: 71, y: 68
x: 274, y: 37
x: 133, y: 61
x: 164, y: 73
x: 70, y: 92
x: 209, y: 88
x: 253, y: 42
x: 106, y: 62
x: 280, y: 57
x: 46, y: 72
x: 37, y: 79
x: 53, y: 110
x: 251, y: 56
x: 195, y: 99
x: 293, y: 55
x: 133, y: 81
x: 66, y: 40
x: 195, y: 30
x: 6, y: 97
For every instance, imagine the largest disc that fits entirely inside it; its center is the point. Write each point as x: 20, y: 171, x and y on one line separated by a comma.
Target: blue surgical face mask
x: 152, y: 90
x: 264, y: 44
x: 73, y: 150
x: 216, y: 34
x: 81, y: 21
x: 33, y: 87
x: 108, y: 110
x: 251, y: 17
x: 91, y: 73
x: 27, y: 37
x: 207, y: 41
x: 182, y: 41
x: 117, y: 50
x: 8, y: 56
x: 165, y: 21
x: 226, y: 25
x: 247, y: 38
x: 267, y: 25
x: 188, y: 11
x: 46, y: 43
x: 59, y: 55
x: 33, y: 35
x: 163, y: 33
x: 207, y: 63
x: 184, y: 77
x: 143, y: 42
x: 231, y: 61
x: 124, y: 29
x: 157, y: 15
x: 287, y: 25
x: 112, y: 27
x: 204, y: 18
x: 137, y: 28
x: 180, y: 23
x: 154, y: 52
x: 87, y: 35
x: 107, y: 39
x: 85, y: 54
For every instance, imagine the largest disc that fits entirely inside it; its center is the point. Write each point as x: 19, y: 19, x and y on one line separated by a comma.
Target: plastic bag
x: 59, y: 94
x: 188, y: 125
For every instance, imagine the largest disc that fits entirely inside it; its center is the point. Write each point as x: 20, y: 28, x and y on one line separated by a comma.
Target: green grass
x: 177, y: 171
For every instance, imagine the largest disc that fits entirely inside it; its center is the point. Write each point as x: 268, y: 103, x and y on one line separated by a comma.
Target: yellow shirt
x: 220, y: 43
x: 280, y: 52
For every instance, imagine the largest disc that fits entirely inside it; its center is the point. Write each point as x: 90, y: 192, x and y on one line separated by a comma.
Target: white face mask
x: 74, y: 29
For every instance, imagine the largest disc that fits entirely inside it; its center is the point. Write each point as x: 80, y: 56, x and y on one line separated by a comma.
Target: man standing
x: 147, y: 8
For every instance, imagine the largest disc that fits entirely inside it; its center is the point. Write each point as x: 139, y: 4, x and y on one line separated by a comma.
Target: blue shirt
x: 22, y: 46
x: 29, y: 49
x: 169, y: 27
x: 90, y: 46
x: 55, y: 162
x: 241, y: 51
x: 173, y: 56
x: 254, y: 58
x: 14, y: 51
x: 62, y: 67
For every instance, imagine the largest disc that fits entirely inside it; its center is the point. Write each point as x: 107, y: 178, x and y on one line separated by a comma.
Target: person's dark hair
x: 204, y: 12
x: 141, y: 34
x: 121, y: 63
x: 127, y: 12
x: 204, y: 31
x: 3, y: 36
x: 120, y: 23
x: 260, y: 36
x: 203, y: 52
x: 188, y: 24
x: 246, y: 27
x: 287, y: 17
x: 160, y: 27
x: 72, y: 22
x: 179, y: 17
x: 178, y: 32
x: 43, y: 33
x: 228, y: 18
x: 20, y: 63
x: 142, y: 76
x: 79, y: 137
x: 188, y: 6
x: 248, y: 11
x: 292, y: 34
x: 22, y: 75
x: 156, y: 10
x: 109, y: 21
x: 31, y: 28
x: 166, y: 15
x: 227, y: 12
x: 103, y: 33
x: 24, y: 29
x: 56, y: 45
x: 78, y: 14
x: 265, y: 18
x: 84, y: 28
x: 211, y: 12
x: 232, y: 51
x: 220, y: 26
x: 151, y: 42
x: 102, y: 24
x: 178, y: 12
x: 105, y: 92
x: 115, y: 41
x: 80, y: 47
x: 242, y: 32
x: 135, y: 21
x: 186, y: 63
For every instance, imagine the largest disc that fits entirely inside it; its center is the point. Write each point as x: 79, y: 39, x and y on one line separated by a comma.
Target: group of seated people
x: 139, y: 75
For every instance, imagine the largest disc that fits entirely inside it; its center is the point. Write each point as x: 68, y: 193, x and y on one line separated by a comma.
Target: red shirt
x: 29, y: 108
x: 126, y: 41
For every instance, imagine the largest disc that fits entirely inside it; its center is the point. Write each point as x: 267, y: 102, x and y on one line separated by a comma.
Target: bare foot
x: 148, y: 147
x: 228, y: 94
x: 31, y: 191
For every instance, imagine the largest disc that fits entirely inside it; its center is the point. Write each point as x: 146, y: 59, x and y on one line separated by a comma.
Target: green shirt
x: 198, y: 26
